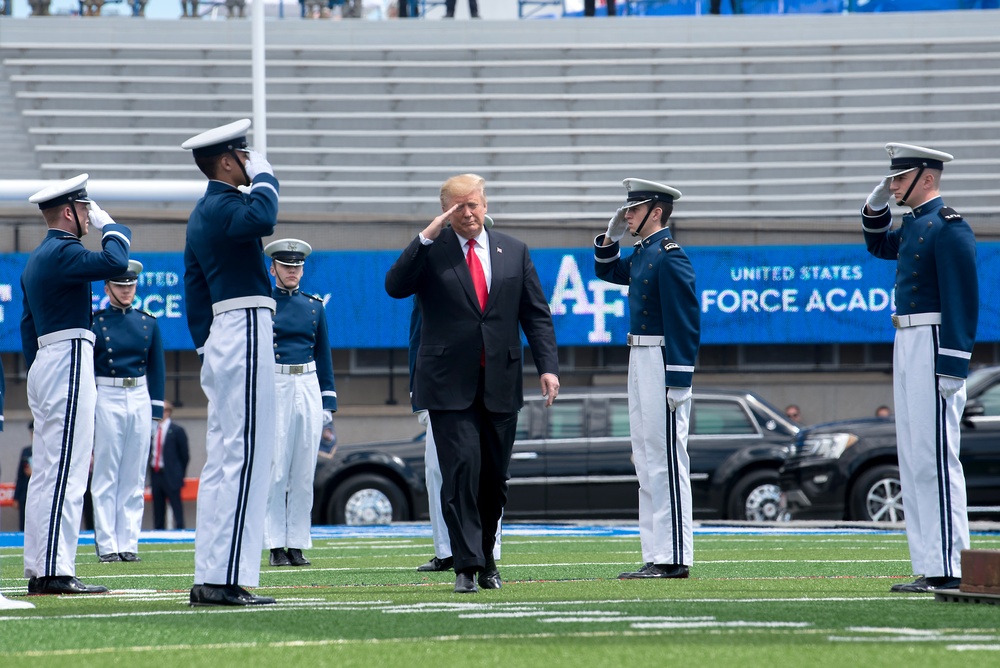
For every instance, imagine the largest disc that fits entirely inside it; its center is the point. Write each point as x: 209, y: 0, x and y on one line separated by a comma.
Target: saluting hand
x: 438, y: 224
x: 879, y: 199
x: 550, y: 387
x: 98, y: 216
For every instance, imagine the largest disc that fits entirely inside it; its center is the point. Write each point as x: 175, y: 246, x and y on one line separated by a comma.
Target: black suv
x: 849, y: 470
x: 574, y: 461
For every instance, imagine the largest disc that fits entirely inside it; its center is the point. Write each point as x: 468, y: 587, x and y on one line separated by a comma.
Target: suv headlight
x: 827, y: 446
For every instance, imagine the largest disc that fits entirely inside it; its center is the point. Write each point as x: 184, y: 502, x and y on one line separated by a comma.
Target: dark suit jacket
x: 454, y: 329
x: 175, y: 455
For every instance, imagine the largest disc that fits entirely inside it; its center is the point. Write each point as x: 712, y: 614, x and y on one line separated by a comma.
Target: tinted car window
x: 990, y: 399
x: 565, y: 420
x: 720, y: 418
x: 619, y: 418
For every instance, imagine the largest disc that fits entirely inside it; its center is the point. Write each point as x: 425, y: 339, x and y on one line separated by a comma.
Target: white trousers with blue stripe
x: 662, y: 464
x: 928, y: 440
x: 122, y: 429
x: 61, y: 396
x: 237, y: 376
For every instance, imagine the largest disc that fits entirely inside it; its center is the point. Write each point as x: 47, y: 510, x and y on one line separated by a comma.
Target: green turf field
x: 753, y: 600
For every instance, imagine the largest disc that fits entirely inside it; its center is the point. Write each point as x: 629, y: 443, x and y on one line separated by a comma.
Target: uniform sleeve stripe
x: 264, y: 184
x: 329, y: 394
x: 115, y: 233
x: 955, y: 353
x: 156, y: 402
x: 608, y: 259
x: 677, y: 367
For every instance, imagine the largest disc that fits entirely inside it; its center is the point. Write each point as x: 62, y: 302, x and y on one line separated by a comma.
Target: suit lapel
x: 496, y: 271
x: 454, y: 251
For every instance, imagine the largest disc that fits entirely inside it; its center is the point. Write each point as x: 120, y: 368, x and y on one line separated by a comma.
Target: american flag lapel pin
x: 499, y: 250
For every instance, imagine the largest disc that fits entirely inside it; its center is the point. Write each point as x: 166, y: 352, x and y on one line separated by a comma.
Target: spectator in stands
x: 235, y: 8
x: 715, y: 6
x: 449, y: 7
x: 589, y: 7
x: 23, y: 474
x: 189, y: 8
x: 139, y: 7
x: 39, y: 7
x: 168, y: 461
x: 91, y: 7
x: 408, y: 9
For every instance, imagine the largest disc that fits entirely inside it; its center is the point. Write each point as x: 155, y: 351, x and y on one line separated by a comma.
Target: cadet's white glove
x: 948, y: 386
x: 98, y: 216
x: 327, y: 417
x: 617, y: 225
x: 423, y: 418
x: 677, y: 396
x: 879, y: 199
x: 257, y: 164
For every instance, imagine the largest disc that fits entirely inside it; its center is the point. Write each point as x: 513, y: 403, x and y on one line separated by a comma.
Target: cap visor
x: 629, y: 205
x: 899, y: 172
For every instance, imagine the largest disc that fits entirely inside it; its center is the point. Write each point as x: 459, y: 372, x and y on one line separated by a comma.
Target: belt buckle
x: 629, y: 339
x: 128, y: 382
x: 296, y: 368
x: 895, y: 321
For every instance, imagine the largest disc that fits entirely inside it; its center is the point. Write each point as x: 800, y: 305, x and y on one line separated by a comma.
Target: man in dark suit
x: 477, y: 291
x: 168, y: 462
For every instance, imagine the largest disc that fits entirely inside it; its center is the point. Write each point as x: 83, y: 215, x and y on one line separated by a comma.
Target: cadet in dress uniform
x: 306, y: 399
x: 664, y: 320
x: 6, y: 603
x: 58, y: 347
x: 230, y: 308
x: 129, y: 365
x: 937, y: 310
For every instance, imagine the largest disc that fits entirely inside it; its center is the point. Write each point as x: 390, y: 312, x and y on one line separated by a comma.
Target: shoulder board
x: 950, y: 215
x: 100, y: 311
x: 146, y: 313
x: 316, y: 297
x: 670, y: 244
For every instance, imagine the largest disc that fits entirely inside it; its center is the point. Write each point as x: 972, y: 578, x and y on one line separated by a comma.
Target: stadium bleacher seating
x: 369, y: 119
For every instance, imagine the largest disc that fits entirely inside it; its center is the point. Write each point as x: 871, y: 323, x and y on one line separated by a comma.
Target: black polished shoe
x: 295, y: 557
x: 279, y: 557
x: 675, y: 571
x: 129, y: 556
x: 464, y: 584
x: 631, y: 575
x: 928, y: 585
x: 109, y: 558
x: 435, y: 565
x: 214, y: 595
x: 62, y: 584
x: 898, y: 587
x: 490, y: 579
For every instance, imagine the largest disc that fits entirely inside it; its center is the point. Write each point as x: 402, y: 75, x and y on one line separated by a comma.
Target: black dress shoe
x: 129, y: 556
x: 490, y: 579
x: 109, y: 558
x: 677, y: 571
x: 899, y: 586
x: 631, y: 575
x: 435, y: 565
x: 62, y: 584
x: 295, y: 557
x: 464, y: 584
x: 211, y: 595
x: 278, y: 557
x: 928, y: 585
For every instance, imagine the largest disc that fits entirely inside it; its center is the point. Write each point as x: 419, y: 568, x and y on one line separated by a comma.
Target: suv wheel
x: 367, y: 499
x: 757, y: 497
x: 876, y: 495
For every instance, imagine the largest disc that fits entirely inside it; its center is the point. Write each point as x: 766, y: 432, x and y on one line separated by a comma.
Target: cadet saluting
x: 59, y: 349
x: 128, y: 363
x: 228, y: 294
x: 665, y: 327
x: 937, y: 310
x: 306, y: 397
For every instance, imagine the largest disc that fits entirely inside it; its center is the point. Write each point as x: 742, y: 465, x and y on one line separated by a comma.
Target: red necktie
x: 158, y: 459
x: 478, y: 276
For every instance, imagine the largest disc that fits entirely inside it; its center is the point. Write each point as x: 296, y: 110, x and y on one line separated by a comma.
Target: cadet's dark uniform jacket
x: 300, y: 337
x: 128, y: 345
x: 935, y: 253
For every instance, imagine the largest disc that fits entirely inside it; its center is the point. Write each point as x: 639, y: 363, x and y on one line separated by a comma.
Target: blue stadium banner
x: 748, y: 295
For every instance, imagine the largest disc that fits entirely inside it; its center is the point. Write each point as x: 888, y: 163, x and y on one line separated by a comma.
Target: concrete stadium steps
x: 749, y: 117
